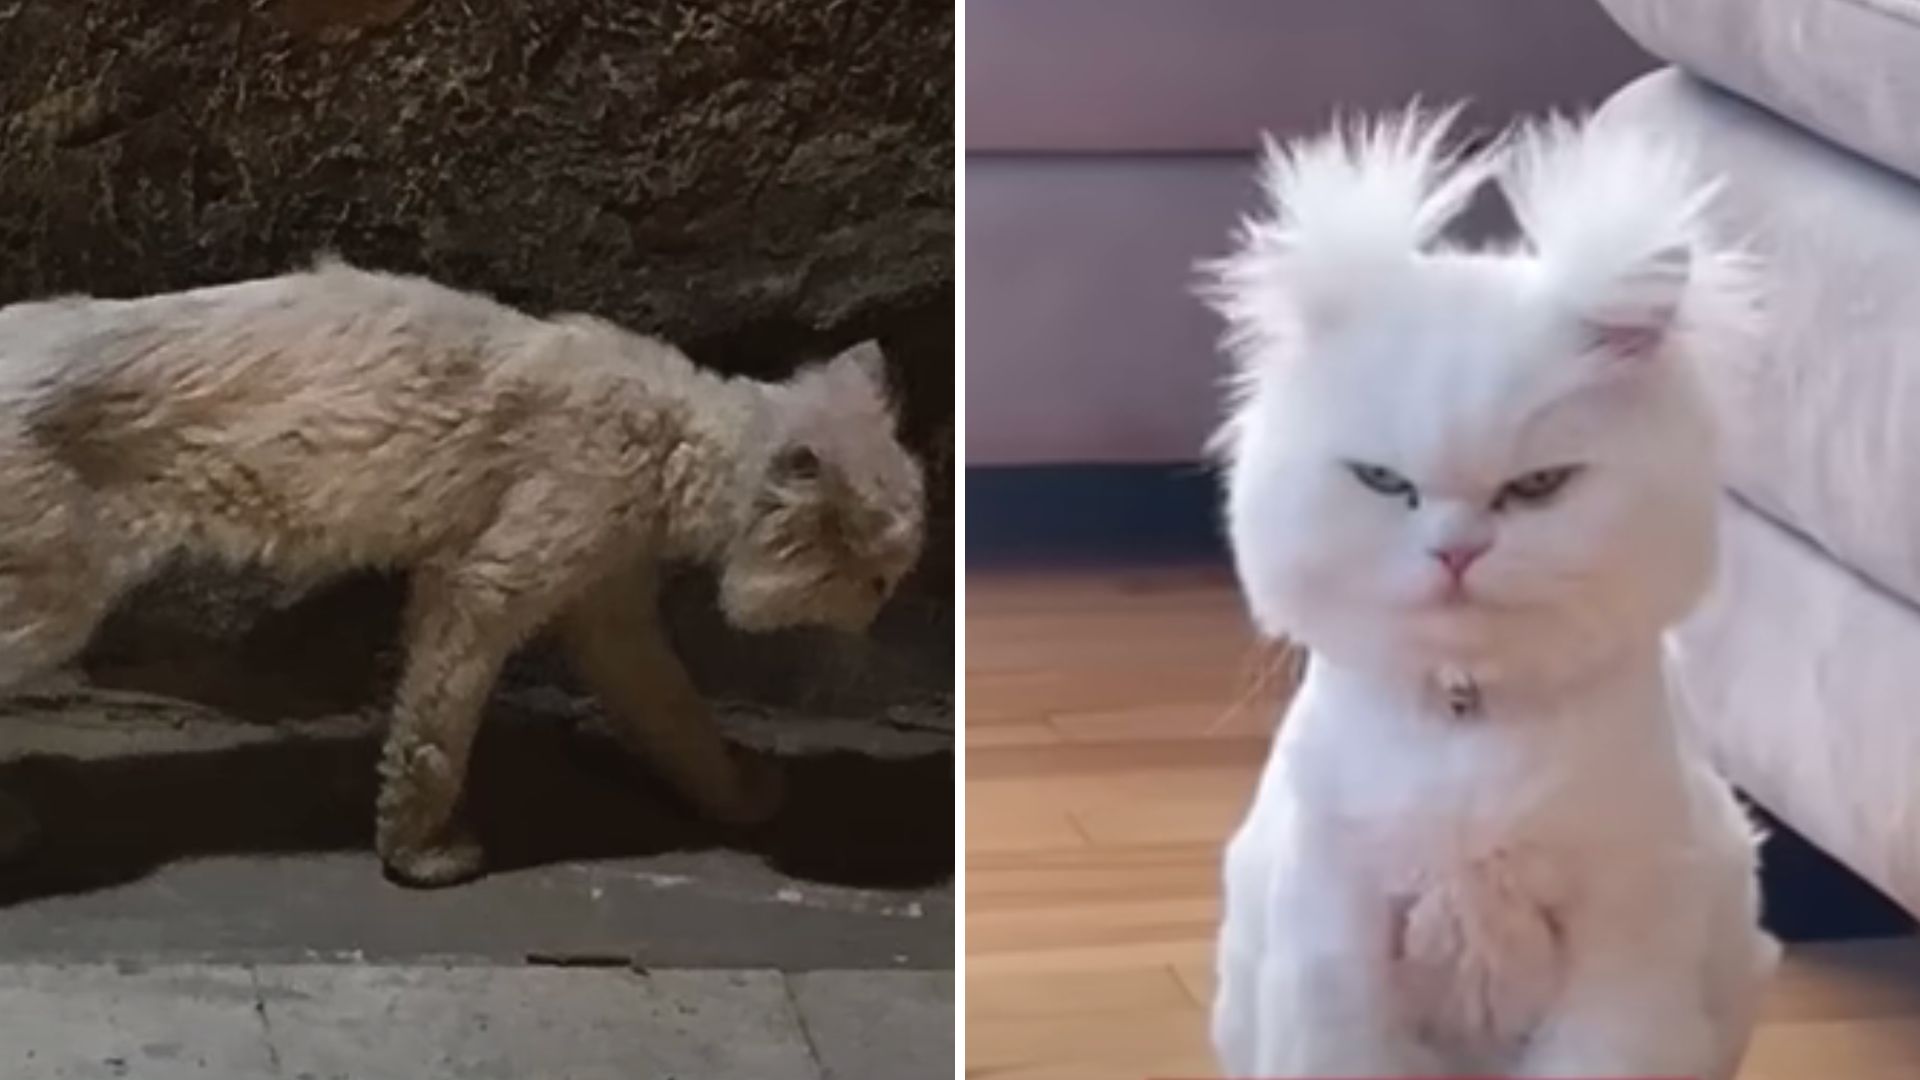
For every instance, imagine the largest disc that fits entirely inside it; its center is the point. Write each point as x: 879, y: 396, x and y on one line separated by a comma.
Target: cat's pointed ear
x: 1616, y: 222
x: 865, y: 362
x: 1342, y: 210
x: 826, y: 402
x: 851, y: 383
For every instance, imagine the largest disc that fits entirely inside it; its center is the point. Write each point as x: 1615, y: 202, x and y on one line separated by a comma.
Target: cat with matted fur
x: 1479, y: 484
x: 525, y: 473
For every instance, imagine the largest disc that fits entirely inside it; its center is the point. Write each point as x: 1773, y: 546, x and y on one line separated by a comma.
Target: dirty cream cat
x: 524, y: 472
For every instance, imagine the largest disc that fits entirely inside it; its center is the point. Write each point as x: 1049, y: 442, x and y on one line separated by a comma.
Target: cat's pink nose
x: 1458, y: 557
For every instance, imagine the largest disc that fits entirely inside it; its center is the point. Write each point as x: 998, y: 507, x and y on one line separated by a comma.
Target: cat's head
x: 1489, y: 460
x: 835, y: 516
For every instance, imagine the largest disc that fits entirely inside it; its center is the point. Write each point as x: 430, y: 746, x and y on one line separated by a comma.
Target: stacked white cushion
x: 1847, y: 69
x: 1823, y: 423
x: 1803, y: 668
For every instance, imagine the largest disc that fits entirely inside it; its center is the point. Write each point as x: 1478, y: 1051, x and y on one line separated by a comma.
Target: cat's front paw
x: 756, y: 795
x: 435, y: 865
x: 417, y: 827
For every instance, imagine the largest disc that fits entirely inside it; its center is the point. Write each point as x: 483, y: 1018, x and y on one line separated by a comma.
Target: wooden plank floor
x: 1115, y: 725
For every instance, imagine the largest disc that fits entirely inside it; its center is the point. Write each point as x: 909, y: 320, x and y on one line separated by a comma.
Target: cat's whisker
x: 1272, y: 665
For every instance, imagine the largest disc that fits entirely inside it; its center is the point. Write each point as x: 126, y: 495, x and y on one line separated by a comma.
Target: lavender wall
x: 1107, y: 150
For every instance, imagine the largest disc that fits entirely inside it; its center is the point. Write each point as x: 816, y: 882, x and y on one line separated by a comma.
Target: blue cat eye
x: 1384, y: 481
x: 1535, y: 488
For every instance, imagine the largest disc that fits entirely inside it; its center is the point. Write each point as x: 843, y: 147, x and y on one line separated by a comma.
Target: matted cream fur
x: 523, y: 471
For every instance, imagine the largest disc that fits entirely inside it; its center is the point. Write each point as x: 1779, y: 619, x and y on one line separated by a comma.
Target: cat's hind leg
x: 49, y: 607
x: 50, y: 604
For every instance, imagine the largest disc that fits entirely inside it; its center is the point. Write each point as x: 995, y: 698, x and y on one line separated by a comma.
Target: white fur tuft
x: 1616, y: 218
x: 1370, y: 194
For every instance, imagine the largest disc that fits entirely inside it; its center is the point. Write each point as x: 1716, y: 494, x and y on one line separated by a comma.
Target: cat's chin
x: 1466, y: 634
x: 1494, y: 650
x: 1496, y: 639
x: 1452, y: 624
x: 1407, y: 646
x: 1452, y: 605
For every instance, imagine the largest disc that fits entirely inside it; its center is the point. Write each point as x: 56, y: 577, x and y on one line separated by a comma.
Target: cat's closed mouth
x: 1453, y: 599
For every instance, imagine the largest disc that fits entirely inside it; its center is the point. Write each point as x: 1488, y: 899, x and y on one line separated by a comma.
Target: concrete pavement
x: 204, y: 907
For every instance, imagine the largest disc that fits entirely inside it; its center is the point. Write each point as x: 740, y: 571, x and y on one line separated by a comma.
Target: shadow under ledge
x: 170, y: 832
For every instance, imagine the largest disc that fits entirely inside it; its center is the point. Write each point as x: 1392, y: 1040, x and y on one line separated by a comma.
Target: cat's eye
x: 1535, y: 487
x: 797, y: 463
x: 1384, y: 481
x: 880, y: 584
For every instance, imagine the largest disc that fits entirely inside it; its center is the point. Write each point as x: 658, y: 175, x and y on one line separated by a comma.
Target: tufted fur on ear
x: 849, y: 388
x: 835, y: 418
x: 1616, y: 221
x: 1342, y: 210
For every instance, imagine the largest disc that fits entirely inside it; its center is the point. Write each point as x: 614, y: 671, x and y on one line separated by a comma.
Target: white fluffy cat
x: 1478, y: 486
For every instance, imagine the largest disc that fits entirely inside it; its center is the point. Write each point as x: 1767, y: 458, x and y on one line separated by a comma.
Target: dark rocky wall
x: 760, y: 180
x: 701, y: 169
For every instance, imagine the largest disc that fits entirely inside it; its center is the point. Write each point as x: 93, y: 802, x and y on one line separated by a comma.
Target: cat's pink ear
x: 1617, y: 221
x: 1635, y: 314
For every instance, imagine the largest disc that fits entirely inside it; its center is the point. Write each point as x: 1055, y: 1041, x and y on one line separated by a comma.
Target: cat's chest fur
x: 1466, y: 887
x: 1463, y: 843
x: 1472, y: 935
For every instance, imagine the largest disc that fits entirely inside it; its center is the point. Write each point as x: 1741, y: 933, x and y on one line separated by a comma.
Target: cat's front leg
x: 1304, y: 988
x: 1628, y: 1014
x: 614, y: 638
x: 457, y: 637
x: 1324, y: 1020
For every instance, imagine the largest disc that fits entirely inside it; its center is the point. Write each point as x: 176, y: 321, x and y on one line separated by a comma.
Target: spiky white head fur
x: 1491, y: 460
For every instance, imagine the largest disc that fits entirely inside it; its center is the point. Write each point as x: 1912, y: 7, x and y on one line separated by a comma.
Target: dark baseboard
x: 1807, y: 895
x: 1047, y: 514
